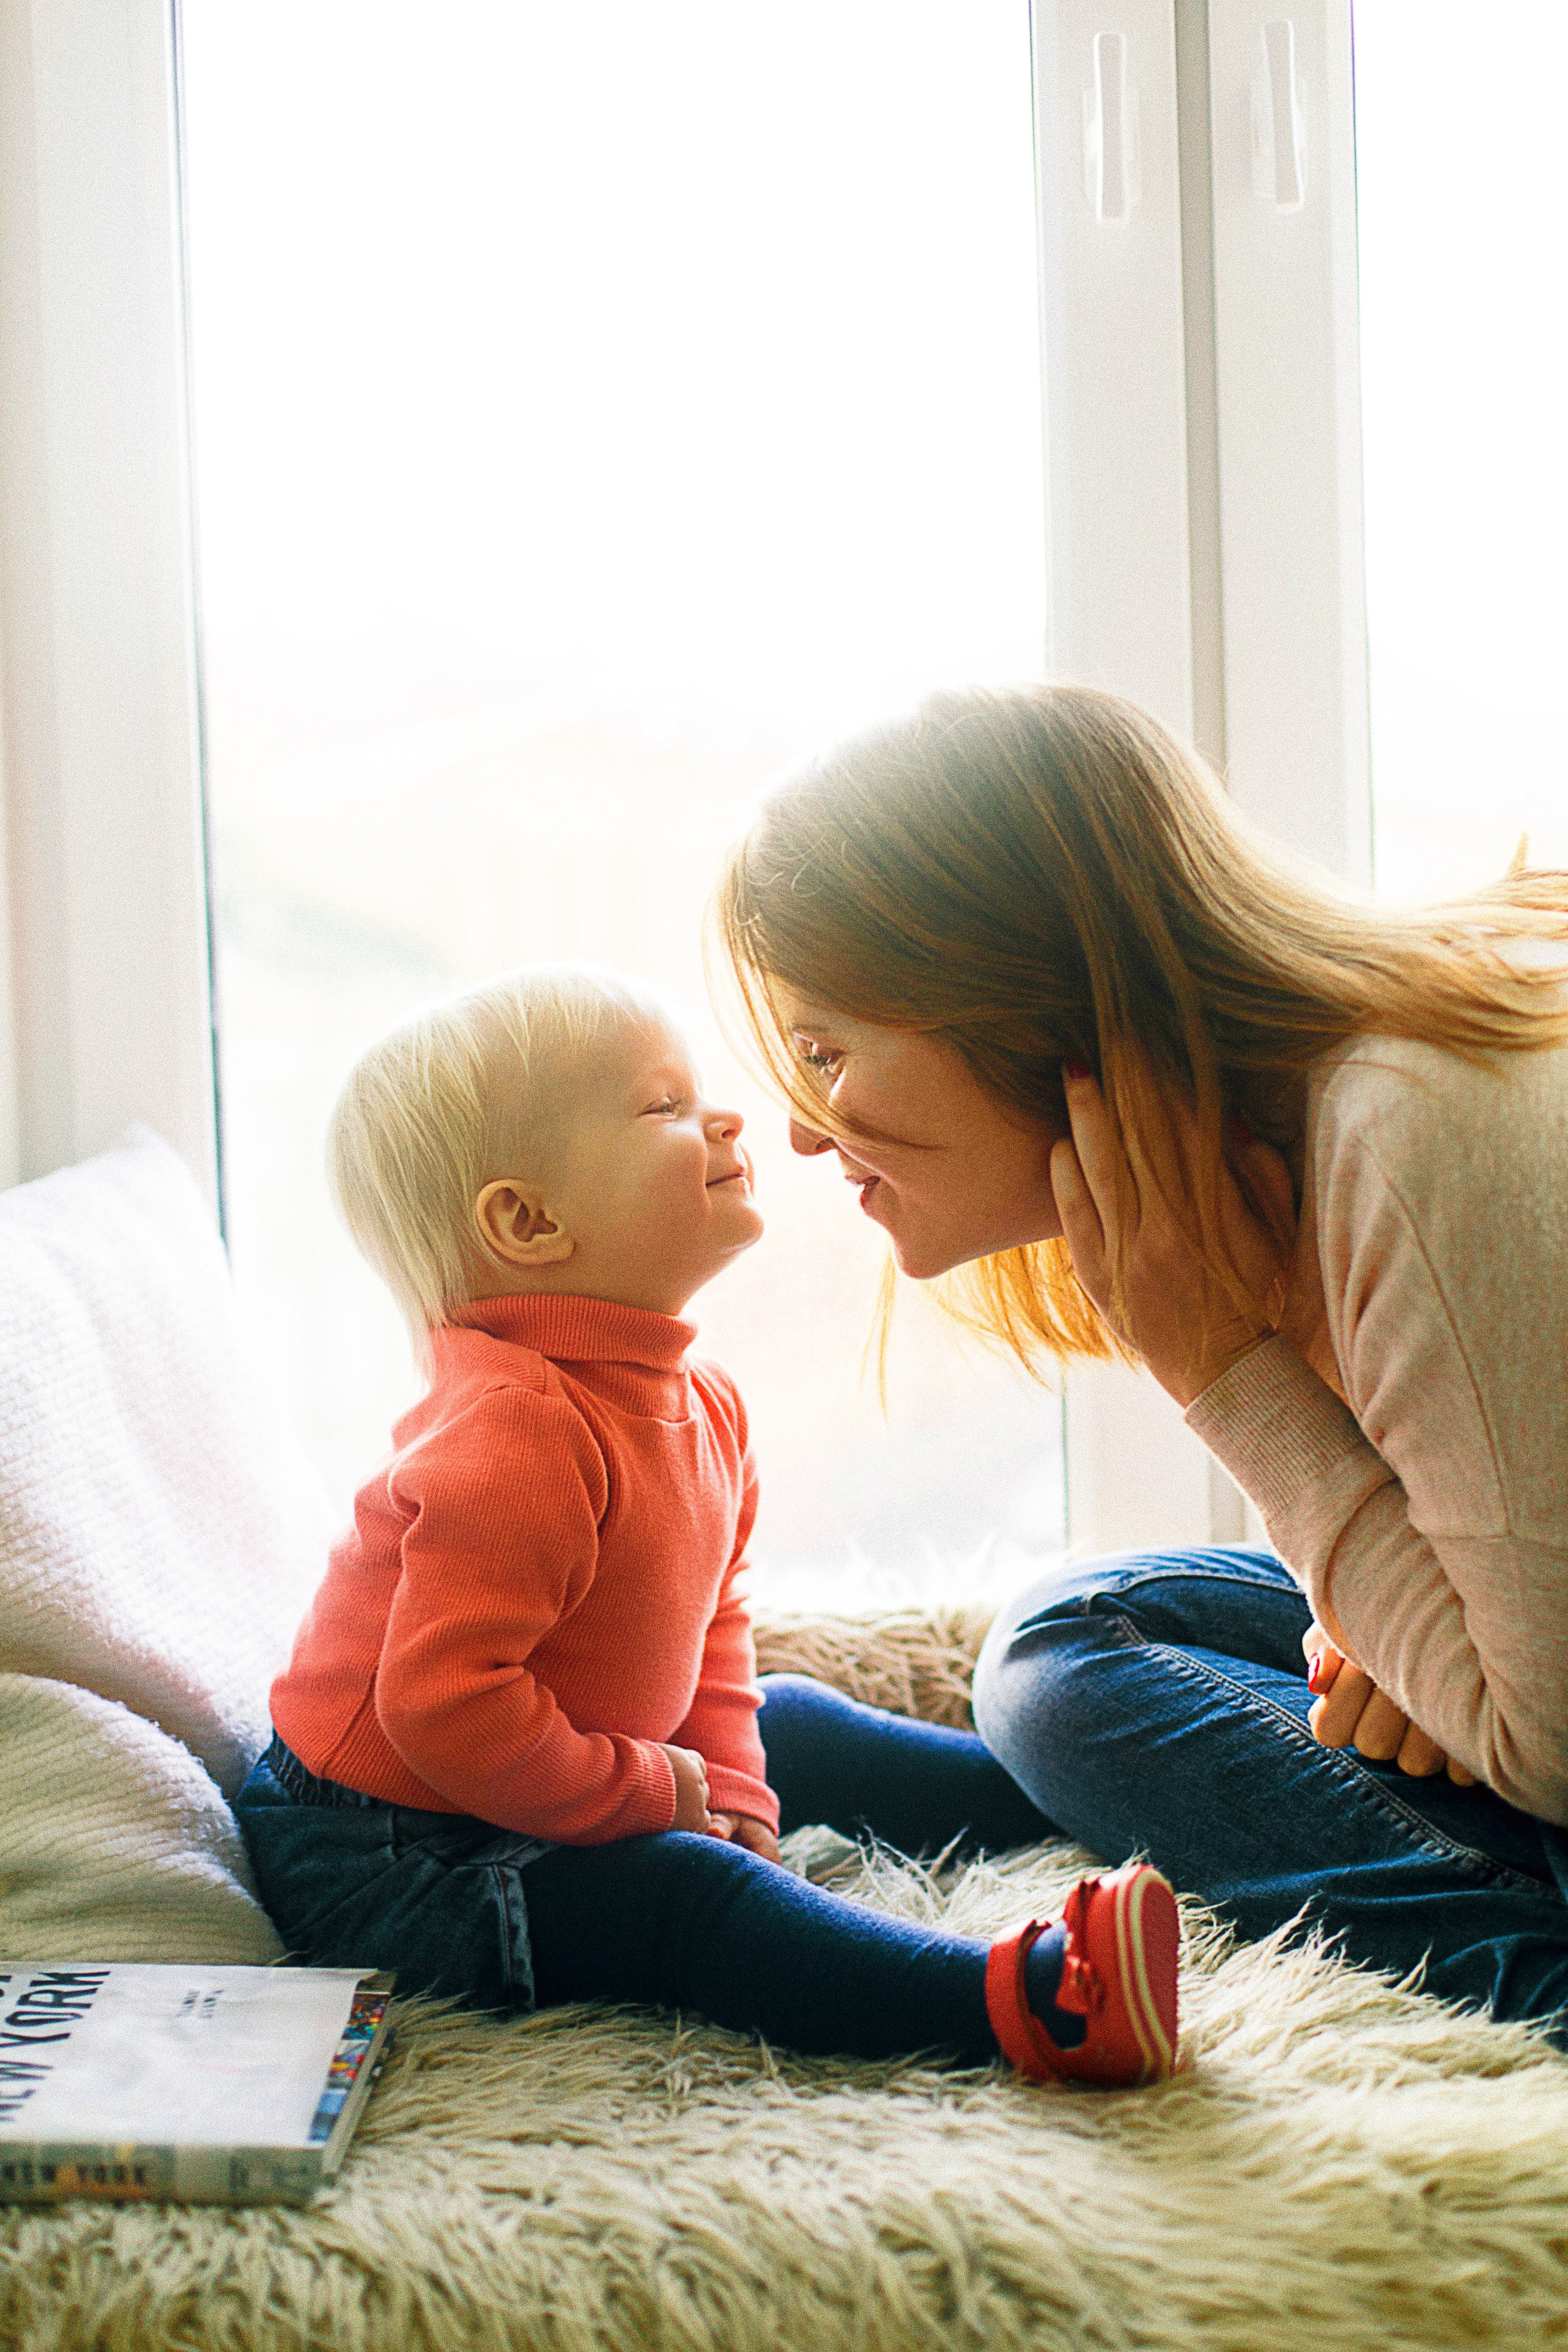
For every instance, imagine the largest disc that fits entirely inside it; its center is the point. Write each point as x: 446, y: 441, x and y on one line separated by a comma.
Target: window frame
x: 1203, y: 488
x: 106, y: 1013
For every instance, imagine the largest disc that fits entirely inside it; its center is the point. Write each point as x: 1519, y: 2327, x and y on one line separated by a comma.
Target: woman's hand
x: 690, y: 1789
x: 1350, y: 1711
x: 1122, y: 1205
x: 744, y: 1829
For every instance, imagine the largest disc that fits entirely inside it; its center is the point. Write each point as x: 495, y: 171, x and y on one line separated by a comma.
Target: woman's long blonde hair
x: 1044, y: 874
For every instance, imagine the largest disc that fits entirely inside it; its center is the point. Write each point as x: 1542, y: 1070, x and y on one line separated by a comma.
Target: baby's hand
x: 1350, y: 1710
x: 690, y: 1789
x: 744, y: 1829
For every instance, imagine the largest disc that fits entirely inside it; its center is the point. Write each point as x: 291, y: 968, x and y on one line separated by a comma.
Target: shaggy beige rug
x: 1343, y: 2165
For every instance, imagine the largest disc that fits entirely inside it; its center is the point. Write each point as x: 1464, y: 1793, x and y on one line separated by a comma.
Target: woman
x: 1139, y: 1089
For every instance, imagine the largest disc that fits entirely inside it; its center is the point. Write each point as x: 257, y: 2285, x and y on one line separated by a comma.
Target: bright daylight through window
x: 594, y: 408
x: 1458, y: 191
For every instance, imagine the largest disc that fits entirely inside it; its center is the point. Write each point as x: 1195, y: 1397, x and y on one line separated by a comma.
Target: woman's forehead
x: 804, y: 1014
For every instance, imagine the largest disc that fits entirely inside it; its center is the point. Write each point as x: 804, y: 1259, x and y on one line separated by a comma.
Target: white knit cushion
x: 161, y: 1530
x: 114, y: 1843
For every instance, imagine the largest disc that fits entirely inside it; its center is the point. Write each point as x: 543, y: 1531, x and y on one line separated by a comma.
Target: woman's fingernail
x: 1315, y: 1673
x: 1075, y: 1069
x: 1240, y: 1134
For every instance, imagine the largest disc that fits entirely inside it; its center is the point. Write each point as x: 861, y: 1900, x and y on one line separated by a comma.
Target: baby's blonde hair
x: 463, y: 1093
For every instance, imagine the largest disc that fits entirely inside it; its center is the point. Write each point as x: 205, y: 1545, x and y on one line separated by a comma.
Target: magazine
x: 205, y: 2085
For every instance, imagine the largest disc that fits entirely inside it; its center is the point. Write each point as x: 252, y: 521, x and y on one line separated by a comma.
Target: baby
x: 520, y: 1751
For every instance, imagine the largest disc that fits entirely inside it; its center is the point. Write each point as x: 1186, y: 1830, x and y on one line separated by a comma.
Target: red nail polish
x: 1315, y: 1673
x: 1075, y: 1069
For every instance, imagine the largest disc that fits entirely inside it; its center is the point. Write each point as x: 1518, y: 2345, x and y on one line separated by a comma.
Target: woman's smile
x: 962, y: 1177
x: 863, y: 1177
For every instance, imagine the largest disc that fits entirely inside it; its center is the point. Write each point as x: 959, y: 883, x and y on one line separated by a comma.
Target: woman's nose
x: 807, y: 1140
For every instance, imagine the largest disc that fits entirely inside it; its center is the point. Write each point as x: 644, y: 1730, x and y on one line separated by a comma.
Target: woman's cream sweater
x: 1425, y: 1503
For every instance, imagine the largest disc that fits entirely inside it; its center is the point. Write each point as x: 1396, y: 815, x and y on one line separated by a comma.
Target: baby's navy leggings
x: 458, y: 1906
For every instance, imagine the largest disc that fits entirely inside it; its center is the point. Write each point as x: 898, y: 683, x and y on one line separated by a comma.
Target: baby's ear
x: 514, y: 1224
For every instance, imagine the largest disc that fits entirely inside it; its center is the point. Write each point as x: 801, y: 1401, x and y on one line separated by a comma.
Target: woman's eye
x: 818, y: 1057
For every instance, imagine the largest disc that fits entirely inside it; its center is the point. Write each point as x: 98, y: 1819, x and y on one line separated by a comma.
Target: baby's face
x: 652, y: 1185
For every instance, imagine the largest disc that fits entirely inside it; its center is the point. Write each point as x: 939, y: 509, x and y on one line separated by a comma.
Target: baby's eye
x: 663, y: 1107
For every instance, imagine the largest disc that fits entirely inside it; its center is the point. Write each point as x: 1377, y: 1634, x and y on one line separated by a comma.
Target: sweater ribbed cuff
x: 737, y: 1792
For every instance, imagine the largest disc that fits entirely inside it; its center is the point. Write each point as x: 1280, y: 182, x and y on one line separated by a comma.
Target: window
x: 594, y: 408
x: 479, y: 535
x: 1461, y: 203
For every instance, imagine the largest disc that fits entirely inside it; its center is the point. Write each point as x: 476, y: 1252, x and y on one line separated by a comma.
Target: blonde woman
x: 1130, y: 1085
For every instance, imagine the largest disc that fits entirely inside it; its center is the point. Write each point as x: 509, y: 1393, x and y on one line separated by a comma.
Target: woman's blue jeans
x: 1157, y: 1703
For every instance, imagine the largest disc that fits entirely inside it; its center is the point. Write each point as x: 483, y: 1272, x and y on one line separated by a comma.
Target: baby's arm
x: 721, y: 1722
x: 502, y: 1541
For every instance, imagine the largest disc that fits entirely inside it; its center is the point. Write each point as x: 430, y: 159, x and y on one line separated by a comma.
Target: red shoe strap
x: 1024, y: 2040
x: 1081, y: 1992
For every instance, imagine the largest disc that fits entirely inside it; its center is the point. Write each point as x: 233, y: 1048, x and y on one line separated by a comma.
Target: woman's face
x: 964, y: 1178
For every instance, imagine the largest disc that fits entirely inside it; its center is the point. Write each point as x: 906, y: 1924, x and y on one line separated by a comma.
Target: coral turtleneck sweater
x: 540, y: 1585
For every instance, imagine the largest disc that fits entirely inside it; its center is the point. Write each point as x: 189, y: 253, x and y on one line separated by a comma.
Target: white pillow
x: 115, y: 1843
x: 161, y: 1530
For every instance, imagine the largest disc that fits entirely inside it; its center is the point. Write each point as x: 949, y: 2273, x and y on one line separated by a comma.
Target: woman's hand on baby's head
x: 690, y: 1789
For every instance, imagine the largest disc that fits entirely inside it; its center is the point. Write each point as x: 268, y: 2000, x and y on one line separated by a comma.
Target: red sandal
x: 1119, y: 1974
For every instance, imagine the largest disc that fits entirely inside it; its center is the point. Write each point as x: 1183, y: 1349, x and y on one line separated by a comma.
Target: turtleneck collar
x: 582, y: 1331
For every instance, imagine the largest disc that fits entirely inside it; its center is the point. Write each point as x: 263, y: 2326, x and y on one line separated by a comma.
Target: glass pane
x: 1460, y: 191
x: 595, y: 407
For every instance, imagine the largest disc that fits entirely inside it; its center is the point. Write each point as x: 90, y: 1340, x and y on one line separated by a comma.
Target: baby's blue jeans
x: 456, y: 1906
x: 1157, y: 1703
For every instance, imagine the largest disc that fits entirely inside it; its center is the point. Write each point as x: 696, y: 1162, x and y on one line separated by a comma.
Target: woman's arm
x: 1466, y: 1631
x: 1456, y: 1613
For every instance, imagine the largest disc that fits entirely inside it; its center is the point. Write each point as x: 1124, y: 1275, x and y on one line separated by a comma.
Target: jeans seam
x: 1349, y: 1775
x: 503, y: 1910
x: 1091, y: 1604
x: 1187, y: 1574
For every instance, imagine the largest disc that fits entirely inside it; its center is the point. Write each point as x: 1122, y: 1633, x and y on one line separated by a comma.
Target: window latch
x: 1279, y: 156
x: 1112, y: 173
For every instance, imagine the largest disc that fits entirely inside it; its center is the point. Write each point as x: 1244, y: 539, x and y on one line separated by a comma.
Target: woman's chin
x: 922, y: 1258
x: 921, y: 1263
x: 924, y: 1254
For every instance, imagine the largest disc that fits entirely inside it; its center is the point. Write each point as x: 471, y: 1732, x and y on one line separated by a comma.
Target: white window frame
x: 1204, y: 486
x: 1198, y: 305
x: 105, y: 988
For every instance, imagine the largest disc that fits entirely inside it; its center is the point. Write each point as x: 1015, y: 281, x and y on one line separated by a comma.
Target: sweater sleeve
x: 1425, y: 1514
x: 721, y: 1722
x: 502, y: 1541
